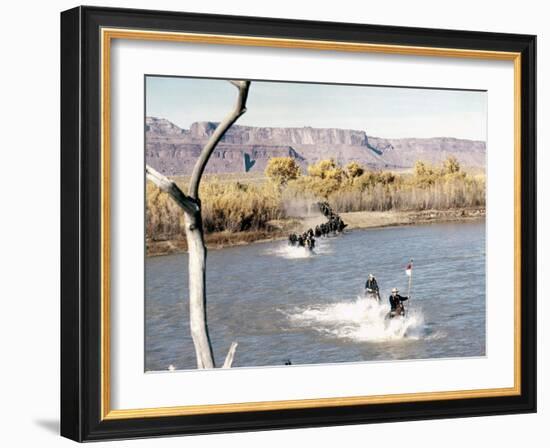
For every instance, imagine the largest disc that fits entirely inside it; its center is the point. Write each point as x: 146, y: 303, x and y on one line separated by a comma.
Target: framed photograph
x: 273, y: 223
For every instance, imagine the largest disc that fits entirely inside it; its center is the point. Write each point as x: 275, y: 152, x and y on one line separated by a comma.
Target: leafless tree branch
x: 230, y: 355
x: 226, y: 123
x: 195, y: 238
x: 185, y: 202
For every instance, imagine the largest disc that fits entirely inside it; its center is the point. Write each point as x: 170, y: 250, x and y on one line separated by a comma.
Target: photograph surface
x: 302, y: 223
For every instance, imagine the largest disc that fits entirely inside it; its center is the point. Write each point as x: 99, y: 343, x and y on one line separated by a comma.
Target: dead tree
x: 191, y: 206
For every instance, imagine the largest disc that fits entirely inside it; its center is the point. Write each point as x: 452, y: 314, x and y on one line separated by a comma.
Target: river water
x: 281, y: 303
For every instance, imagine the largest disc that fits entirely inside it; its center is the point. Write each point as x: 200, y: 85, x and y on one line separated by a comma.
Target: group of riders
x: 397, y: 308
x: 306, y: 239
x: 333, y: 225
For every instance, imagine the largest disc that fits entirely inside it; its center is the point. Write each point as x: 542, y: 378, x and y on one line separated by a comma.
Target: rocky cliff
x: 173, y: 150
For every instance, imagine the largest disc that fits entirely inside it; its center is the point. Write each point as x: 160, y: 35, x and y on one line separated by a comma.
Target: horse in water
x: 373, y: 295
x: 398, y: 312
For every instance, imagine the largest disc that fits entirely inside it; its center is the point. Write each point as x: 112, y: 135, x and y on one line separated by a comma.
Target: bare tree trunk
x: 197, y: 291
x: 195, y: 236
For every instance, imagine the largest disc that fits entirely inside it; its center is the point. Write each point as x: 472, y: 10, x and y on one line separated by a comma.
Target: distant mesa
x: 173, y: 150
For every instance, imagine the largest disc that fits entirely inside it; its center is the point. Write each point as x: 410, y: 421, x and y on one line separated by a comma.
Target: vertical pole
x: 410, y: 281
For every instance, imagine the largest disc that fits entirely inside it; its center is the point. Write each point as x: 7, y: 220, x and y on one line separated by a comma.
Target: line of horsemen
x: 333, y: 225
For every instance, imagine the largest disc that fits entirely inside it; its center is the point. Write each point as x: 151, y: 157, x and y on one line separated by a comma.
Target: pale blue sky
x: 380, y: 111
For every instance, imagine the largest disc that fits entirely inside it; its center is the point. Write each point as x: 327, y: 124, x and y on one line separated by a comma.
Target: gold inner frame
x: 107, y: 35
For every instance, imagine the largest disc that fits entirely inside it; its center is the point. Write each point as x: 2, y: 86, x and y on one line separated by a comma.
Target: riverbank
x: 280, y: 229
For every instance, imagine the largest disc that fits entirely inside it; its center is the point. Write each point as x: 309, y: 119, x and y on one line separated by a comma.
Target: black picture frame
x: 81, y: 224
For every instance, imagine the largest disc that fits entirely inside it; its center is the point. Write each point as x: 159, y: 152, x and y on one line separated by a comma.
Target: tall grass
x: 226, y: 206
x: 353, y: 189
x: 249, y: 205
x: 441, y: 195
x: 238, y: 207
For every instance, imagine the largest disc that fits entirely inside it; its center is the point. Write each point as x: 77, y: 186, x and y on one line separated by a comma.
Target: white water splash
x: 284, y: 250
x: 360, y: 320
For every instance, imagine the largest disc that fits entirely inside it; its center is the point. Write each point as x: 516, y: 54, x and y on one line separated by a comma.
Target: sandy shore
x: 355, y: 220
x: 364, y: 220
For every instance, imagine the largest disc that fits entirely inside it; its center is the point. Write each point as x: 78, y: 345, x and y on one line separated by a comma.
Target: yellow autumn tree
x: 353, y: 170
x: 451, y: 165
x: 326, y: 169
x: 281, y: 170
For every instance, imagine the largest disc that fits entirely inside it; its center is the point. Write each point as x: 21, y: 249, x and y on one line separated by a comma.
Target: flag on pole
x: 409, y: 269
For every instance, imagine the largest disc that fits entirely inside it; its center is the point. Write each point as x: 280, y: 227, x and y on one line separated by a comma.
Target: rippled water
x: 281, y: 303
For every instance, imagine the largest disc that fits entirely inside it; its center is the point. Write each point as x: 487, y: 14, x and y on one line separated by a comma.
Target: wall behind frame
x: 29, y: 236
